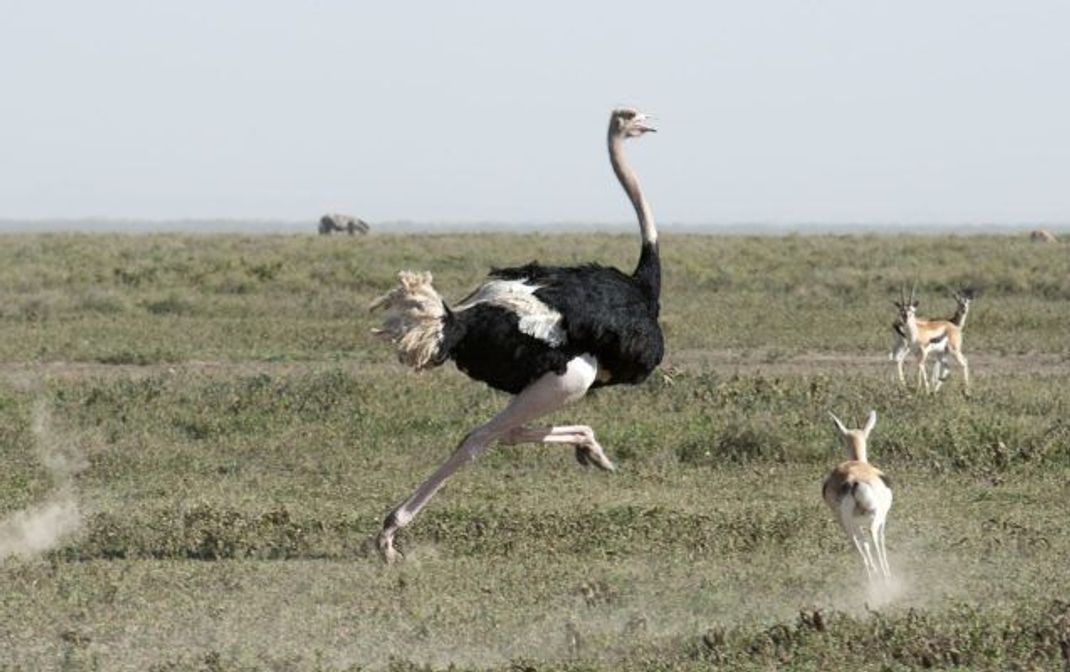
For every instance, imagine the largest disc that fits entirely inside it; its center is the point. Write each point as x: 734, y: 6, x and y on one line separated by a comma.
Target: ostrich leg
x: 588, y: 450
x: 544, y: 396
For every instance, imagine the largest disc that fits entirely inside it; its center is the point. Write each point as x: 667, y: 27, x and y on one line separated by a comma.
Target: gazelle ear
x: 839, y: 425
x: 871, y: 421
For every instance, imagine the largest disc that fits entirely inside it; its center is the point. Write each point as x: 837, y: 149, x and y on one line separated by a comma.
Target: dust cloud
x: 39, y: 528
x: 43, y: 526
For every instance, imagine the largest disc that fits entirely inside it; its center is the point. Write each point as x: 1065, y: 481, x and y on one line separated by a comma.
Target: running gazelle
x: 860, y: 496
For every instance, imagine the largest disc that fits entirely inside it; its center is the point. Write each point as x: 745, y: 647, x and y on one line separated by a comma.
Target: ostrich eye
x: 627, y: 115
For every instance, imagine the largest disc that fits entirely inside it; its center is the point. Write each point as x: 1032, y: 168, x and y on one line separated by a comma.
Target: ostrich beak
x: 642, y: 125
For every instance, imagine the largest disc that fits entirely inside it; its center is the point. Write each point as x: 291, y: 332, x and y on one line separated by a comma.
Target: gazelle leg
x: 937, y: 375
x: 900, y: 350
x: 869, y: 546
x: 961, y: 359
x: 882, y: 549
x: 923, y: 381
x: 875, y: 536
x: 588, y: 450
x: 856, y: 538
x: 545, y: 395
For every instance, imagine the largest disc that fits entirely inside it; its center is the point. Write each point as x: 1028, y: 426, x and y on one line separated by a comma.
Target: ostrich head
x: 626, y: 122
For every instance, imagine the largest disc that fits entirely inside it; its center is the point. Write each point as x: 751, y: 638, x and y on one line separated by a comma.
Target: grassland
x: 199, y: 435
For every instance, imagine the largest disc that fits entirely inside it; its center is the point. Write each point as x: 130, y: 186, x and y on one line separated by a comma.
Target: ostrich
x: 545, y: 334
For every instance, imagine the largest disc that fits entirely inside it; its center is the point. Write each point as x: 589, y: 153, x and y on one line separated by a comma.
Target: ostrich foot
x: 385, y: 540
x: 385, y: 543
x: 586, y: 455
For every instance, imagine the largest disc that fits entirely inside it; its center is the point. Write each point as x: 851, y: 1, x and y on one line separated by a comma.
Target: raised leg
x: 588, y: 450
x: 544, y: 396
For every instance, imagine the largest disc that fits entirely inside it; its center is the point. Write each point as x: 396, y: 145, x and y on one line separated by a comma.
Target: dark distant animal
x: 1042, y: 236
x: 546, y: 334
x: 336, y: 222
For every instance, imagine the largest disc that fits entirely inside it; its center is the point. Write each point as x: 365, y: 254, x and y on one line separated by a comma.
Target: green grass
x: 145, y: 299
x: 213, y: 417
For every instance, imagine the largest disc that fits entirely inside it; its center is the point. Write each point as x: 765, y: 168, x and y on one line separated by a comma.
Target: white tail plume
x: 415, y: 319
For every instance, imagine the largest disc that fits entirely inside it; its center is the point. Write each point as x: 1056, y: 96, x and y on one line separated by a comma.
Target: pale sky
x: 827, y: 111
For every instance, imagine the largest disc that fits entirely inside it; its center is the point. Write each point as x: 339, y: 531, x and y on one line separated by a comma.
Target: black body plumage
x: 605, y: 313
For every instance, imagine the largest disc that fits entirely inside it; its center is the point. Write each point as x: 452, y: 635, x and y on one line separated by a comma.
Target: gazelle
x: 900, y: 342
x: 942, y: 367
x: 860, y: 496
x: 922, y: 337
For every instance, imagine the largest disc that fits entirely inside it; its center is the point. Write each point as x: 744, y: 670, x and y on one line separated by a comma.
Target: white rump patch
x: 537, y: 319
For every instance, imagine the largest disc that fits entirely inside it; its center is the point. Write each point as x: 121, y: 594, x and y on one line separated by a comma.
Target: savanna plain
x: 199, y: 436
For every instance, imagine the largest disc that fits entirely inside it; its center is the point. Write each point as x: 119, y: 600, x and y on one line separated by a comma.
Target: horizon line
x: 259, y: 224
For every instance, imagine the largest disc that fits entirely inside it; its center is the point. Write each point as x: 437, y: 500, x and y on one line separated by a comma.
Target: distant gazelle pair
x: 939, y: 337
x: 860, y: 496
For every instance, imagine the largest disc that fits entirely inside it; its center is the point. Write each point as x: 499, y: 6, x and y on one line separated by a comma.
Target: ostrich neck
x: 648, y: 271
x: 630, y: 182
